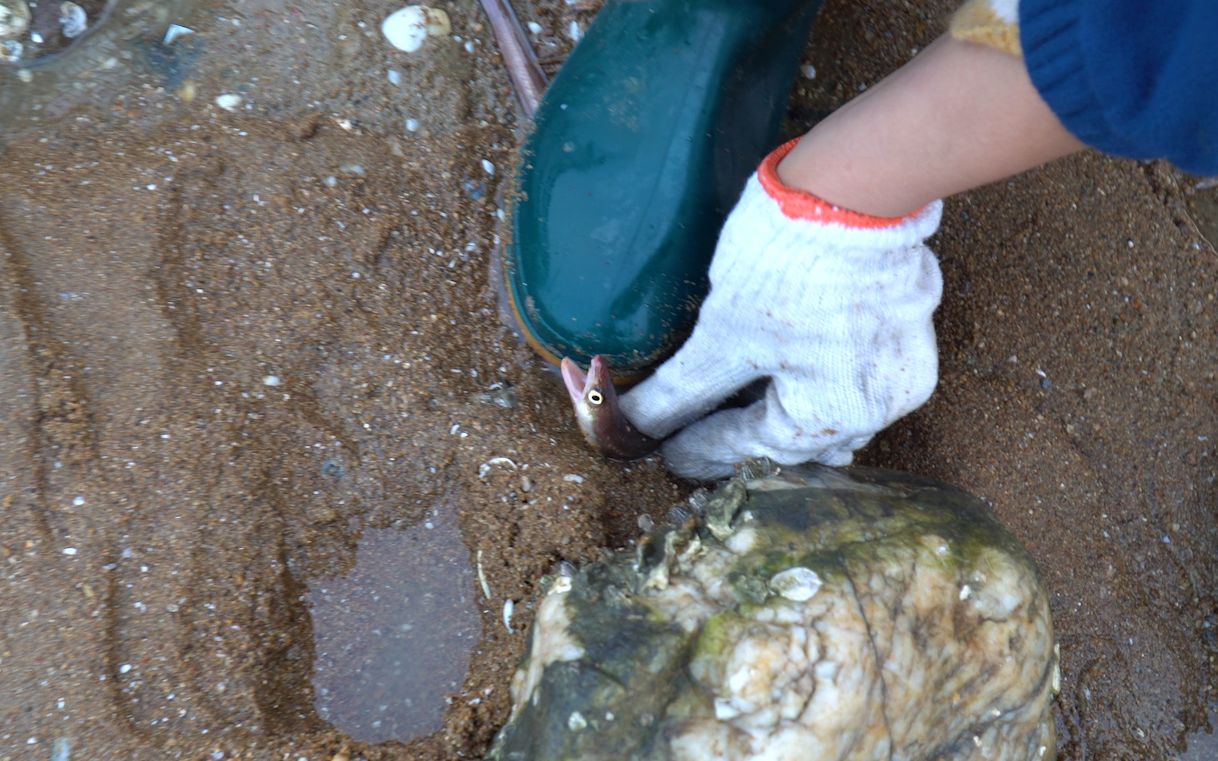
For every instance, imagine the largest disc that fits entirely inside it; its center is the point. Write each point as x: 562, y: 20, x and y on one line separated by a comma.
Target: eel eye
x: 595, y: 397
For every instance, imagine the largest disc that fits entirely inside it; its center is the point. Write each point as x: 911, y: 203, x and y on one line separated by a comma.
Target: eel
x: 528, y: 80
x: 599, y: 413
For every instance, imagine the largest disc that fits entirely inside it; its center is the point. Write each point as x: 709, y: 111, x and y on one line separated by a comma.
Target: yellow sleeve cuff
x: 994, y: 23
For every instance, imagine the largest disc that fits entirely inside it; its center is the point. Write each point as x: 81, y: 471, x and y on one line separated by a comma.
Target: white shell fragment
x: 175, y: 31
x: 798, y: 583
x: 485, y: 467
x: 508, y: 606
x: 407, y: 28
x: 14, y: 18
x: 73, y: 20
x: 228, y: 101
x: 486, y: 588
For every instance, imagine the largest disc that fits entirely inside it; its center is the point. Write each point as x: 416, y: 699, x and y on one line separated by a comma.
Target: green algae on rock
x: 796, y: 613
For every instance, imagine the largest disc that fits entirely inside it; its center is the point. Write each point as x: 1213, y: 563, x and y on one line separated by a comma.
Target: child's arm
x: 958, y: 116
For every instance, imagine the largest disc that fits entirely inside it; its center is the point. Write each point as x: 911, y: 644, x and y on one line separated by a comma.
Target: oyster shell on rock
x: 808, y: 613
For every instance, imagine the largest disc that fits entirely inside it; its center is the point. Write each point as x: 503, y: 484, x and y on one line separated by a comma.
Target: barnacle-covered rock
x: 802, y: 614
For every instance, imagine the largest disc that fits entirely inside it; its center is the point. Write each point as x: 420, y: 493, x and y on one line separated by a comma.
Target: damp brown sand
x: 160, y: 259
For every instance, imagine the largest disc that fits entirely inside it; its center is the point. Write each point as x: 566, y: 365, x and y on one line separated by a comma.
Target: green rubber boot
x: 641, y: 147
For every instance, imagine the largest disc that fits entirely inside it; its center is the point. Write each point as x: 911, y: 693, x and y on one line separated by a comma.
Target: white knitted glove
x: 833, y: 306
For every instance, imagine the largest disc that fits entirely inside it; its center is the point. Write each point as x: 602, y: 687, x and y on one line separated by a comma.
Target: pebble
x: 333, y: 468
x: 574, y: 31
x: 395, y: 77
x: 500, y: 395
x: 10, y: 51
x: 412, y: 125
x: 69, y: 551
x: 228, y: 101
x: 475, y: 190
x: 808, y: 70
x: 270, y: 380
x: 407, y: 28
x: 534, y: 27
x: 61, y: 750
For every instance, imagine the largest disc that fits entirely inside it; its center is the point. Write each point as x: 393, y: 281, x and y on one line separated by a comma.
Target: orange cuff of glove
x: 800, y: 204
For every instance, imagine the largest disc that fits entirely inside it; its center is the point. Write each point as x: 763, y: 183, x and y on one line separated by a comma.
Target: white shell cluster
x: 407, y: 28
x: 73, y: 20
x: 14, y: 18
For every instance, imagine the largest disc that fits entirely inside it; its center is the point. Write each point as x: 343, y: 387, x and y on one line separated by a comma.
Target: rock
x: 407, y: 28
x: 841, y: 615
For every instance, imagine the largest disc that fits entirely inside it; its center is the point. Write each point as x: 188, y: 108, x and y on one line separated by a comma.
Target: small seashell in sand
x: 407, y: 28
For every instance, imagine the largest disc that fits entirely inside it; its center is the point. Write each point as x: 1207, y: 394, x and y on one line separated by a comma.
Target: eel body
x: 528, y: 80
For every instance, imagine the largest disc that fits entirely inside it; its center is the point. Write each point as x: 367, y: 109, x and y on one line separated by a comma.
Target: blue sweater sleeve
x: 1135, y: 78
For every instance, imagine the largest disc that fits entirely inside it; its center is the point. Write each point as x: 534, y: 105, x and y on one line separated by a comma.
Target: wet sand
x: 233, y: 345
